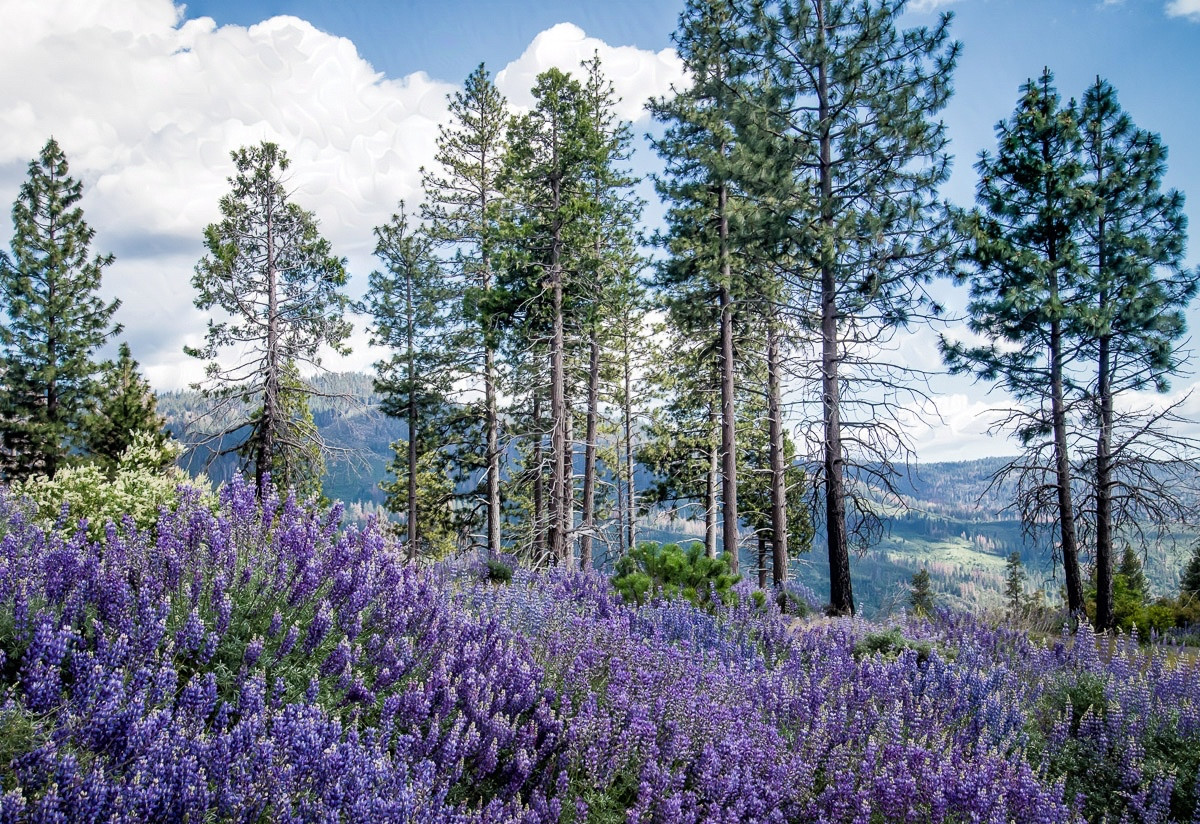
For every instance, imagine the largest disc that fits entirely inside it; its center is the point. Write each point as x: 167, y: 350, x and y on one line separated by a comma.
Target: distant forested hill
x: 947, y: 517
x: 347, y: 415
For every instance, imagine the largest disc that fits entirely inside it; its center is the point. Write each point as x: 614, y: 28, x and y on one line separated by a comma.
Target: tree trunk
x: 841, y: 593
x: 1104, y: 538
x: 569, y: 484
x: 779, y: 513
x: 412, y: 426
x: 1058, y: 423
x: 493, y: 451
x: 491, y: 413
x: 710, y: 485
x: 559, y: 477
x: 589, y: 454
x: 539, y: 503
x: 268, y: 425
x: 630, y: 491
x: 729, y: 515
x: 762, y: 560
x: 1062, y: 472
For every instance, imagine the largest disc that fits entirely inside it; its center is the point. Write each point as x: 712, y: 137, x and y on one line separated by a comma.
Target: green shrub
x: 498, y: 571
x: 675, y: 573
x: 137, y: 487
x: 889, y: 644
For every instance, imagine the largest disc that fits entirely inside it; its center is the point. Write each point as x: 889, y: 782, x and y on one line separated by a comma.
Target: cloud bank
x: 1189, y: 9
x: 147, y: 106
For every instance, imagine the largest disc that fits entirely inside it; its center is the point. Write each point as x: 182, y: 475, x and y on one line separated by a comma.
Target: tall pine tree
x: 702, y: 151
x: 278, y: 285
x: 552, y: 153
x: 846, y: 103
x: 1022, y: 246
x: 463, y: 198
x: 408, y: 302
x: 55, y: 321
x: 1133, y: 238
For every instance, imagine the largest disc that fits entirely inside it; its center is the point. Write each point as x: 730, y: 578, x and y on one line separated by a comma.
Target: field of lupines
x: 253, y: 661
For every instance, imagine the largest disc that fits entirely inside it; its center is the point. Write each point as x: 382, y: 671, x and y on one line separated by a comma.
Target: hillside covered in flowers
x: 253, y: 660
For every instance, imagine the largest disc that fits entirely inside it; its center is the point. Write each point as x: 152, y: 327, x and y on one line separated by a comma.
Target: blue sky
x: 148, y: 98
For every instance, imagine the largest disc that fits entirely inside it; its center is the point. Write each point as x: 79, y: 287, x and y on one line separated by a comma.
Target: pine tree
x: 702, y: 153
x: 1022, y: 245
x: 268, y: 269
x: 609, y: 270
x: 126, y: 408
x: 1014, y: 584
x: 844, y: 108
x: 1133, y: 238
x: 463, y: 201
x: 55, y: 322
x: 552, y: 150
x: 1134, y: 576
x: 920, y: 595
x: 408, y: 302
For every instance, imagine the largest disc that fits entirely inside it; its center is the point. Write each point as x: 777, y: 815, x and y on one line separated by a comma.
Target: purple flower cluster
x: 256, y: 663
x: 260, y: 663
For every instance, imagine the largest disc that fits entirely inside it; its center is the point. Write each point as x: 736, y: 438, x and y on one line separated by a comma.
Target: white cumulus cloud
x: 1184, y: 8
x: 929, y: 5
x: 636, y: 74
x: 148, y: 106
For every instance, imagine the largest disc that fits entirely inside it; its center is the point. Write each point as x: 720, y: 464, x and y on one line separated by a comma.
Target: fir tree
x: 55, y: 322
x: 920, y: 595
x: 126, y: 408
x: 1014, y: 584
x: 278, y: 283
x: 1133, y: 575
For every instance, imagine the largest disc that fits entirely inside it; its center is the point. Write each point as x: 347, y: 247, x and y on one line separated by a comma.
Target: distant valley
x: 945, y: 517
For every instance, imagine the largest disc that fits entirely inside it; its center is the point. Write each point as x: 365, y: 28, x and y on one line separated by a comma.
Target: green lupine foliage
x: 674, y: 572
x: 54, y: 322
